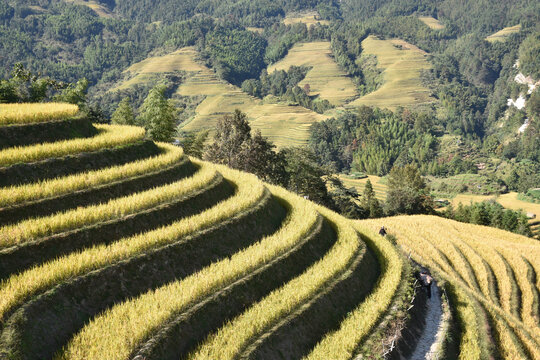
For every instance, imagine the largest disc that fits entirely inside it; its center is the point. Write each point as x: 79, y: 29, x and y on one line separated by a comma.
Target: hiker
x: 427, y: 280
x: 382, y: 232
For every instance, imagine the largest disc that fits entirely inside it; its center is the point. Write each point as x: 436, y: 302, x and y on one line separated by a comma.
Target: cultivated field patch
x: 433, y: 23
x: 502, y: 34
x: 307, y: 17
x: 402, y: 64
x: 325, y: 78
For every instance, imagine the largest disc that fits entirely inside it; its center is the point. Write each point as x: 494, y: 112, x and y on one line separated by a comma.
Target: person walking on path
x: 427, y: 280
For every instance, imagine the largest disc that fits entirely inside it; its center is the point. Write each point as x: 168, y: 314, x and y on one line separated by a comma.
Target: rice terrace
x: 269, y: 180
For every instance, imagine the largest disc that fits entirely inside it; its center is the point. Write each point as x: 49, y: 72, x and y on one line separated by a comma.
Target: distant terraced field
x: 431, y: 22
x: 402, y: 64
x: 325, y: 78
x: 502, y: 34
x: 99, y: 9
x: 307, y: 17
x: 283, y: 124
x: 359, y: 184
x: 135, y: 251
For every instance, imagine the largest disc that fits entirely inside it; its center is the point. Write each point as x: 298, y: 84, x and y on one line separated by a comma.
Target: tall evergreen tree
x: 124, y: 113
x: 158, y: 115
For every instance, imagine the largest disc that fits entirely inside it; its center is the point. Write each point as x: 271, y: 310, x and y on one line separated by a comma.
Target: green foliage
x: 193, y: 143
x: 73, y: 23
x: 124, y: 113
x: 158, y: 115
x: 276, y: 83
x: 407, y: 192
x: 370, y: 202
x: 235, y: 146
x: 305, y: 175
x: 373, y: 140
x: 236, y: 54
x: 74, y: 94
x: 491, y: 214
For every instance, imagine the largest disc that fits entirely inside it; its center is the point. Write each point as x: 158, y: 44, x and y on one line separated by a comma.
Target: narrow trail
x: 430, y: 340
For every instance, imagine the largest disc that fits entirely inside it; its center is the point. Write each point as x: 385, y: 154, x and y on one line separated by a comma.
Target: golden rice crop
x: 341, y: 343
x: 109, y: 136
x: 118, y: 331
x: 64, y: 185
x: 231, y: 339
x: 421, y: 235
x: 33, y: 113
x: 19, y: 287
x: 113, y: 209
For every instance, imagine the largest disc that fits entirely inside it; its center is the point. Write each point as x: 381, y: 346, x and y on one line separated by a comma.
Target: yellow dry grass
x: 21, y: 286
x: 231, y: 339
x: 501, y: 35
x: 110, y: 136
x: 117, y: 332
x: 325, y: 78
x: 455, y: 251
x: 11, y: 114
x: 306, y: 17
x: 31, y: 229
x: 431, y: 22
x: 60, y: 186
x: 402, y: 64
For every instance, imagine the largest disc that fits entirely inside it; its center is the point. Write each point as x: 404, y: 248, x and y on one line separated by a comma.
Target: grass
x: 431, y: 22
x: 306, y: 17
x: 402, y: 64
x: 64, y: 185
x: 501, y: 35
x: 117, y: 332
x: 110, y: 136
x: 231, y: 339
x: 20, y: 287
x: 325, y: 78
x: 17, y: 114
x: 116, y: 208
x: 423, y: 237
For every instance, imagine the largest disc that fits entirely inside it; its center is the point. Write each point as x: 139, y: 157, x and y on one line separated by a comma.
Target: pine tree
x: 124, y: 113
x: 158, y: 115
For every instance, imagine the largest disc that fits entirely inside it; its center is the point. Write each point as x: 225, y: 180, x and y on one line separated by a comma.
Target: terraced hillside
x: 502, y: 34
x: 127, y: 249
x: 283, y: 124
x: 402, y: 64
x: 491, y: 278
x: 146, y: 253
x: 359, y: 184
x: 325, y: 78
